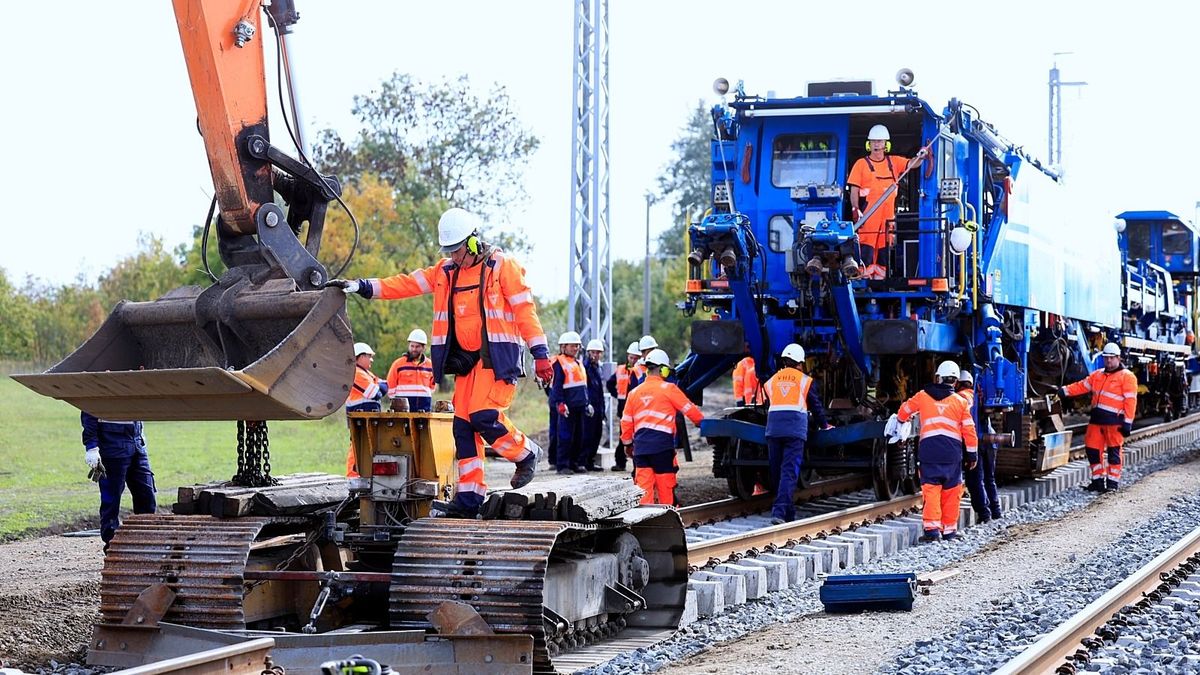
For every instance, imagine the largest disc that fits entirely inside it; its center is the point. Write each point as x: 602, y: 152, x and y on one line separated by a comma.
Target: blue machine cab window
x: 1176, y: 238
x: 1139, y: 240
x: 803, y: 159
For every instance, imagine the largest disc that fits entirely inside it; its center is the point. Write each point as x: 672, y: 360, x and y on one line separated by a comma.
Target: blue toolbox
x: 863, y: 592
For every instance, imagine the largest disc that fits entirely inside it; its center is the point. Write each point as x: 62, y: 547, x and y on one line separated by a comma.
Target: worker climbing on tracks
x: 869, y: 179
x: 1114, y: 405
x: 648, y: 425
x: 366, y: 393
x: 569, y: 398
x: 981, y: 480
x: 482, y: 311
x: 746, y: 387
x: 594, y: 424
x: 947, y: 433
x: 618, y: 388
x: 411, y: 376
x: 115, y: 452
x: 792, y: 400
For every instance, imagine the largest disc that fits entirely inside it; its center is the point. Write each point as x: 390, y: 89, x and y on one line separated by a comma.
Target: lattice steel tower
x: 1056, y: 84
x: 589, y: 308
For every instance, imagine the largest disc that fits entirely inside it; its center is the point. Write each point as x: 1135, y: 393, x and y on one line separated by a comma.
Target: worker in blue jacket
x: 115, y: 451
x: 568, y: 396
x: 594, y: 424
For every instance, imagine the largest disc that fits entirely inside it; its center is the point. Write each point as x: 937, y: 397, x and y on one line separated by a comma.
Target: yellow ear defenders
x: 665, y: 371
x: 886, y: 148
x: 473, y: 244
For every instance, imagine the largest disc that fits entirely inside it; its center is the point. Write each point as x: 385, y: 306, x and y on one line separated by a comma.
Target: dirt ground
x: 49, y: 586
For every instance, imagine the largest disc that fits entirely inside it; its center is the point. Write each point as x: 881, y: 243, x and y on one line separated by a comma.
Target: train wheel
x: 744, y: 479
x: 891, y: 472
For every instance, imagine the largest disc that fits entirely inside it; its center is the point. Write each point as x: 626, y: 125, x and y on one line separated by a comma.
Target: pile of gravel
x: 973, y: 646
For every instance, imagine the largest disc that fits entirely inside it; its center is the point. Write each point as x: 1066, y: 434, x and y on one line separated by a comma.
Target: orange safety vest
x: 508, y: 317
x: 649, y: 420
x: 572, y: 390
x: 745, y: 382
x: 946, y: 425
x: 1114, y: 395
x: 365, y: 388
x: 410, y: 378
x: 787, y: 392
x: 623, y: 373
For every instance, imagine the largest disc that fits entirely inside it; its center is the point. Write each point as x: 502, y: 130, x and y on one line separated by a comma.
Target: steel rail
x: 731, y: 507
x: 735, y: 545
x: 1052, y: 652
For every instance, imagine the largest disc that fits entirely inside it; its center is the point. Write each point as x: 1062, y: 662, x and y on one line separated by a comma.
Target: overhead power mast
x: 1056, y: 84
x: 589, y: 307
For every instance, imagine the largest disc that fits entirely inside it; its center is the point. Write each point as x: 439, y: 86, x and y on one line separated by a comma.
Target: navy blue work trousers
x: 571, y: 432
x: 981, y: 482
x: 122, y: 468
x: 786, y: 456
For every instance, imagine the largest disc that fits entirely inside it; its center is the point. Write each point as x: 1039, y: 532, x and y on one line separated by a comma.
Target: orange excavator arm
x: 264, y: 342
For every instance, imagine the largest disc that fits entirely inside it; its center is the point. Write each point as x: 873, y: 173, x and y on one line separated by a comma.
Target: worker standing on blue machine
x: 1114, y: 405
x: 947, y: 432
x: 594, y: 424
x: 868, y: 181
x: 618, y: 388
x: 981, y: 480
x: 792, y: 400
x: 568, y: 395
x: 115, y: 452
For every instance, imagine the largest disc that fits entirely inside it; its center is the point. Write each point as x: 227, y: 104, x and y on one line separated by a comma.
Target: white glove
x: 92, y: 457
x: 351, y: 287
x: 892, y: 428
x: 590, y: 410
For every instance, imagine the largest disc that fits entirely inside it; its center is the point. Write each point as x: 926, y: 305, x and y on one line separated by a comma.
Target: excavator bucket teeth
x: 233, y: 351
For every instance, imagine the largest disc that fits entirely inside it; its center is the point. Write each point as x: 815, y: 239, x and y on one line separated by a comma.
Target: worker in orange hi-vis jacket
x: 746, y: 389
x: 482, y: 312
x: 411, y: 376
x: 869, y: 180
x: 1114, y: 404
x: 618, y: 388
x: 365, y: 394
x: 649, y: 426
x: 947, y: 433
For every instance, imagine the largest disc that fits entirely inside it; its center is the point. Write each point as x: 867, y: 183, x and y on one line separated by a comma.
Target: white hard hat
x: 454, y: 227
x: 658, y: 358
x: 633, y: 349
x: 418, y: 335
x: 361, y: 348
x: 595, y: 345
x: 878, y: 133
x: 569, y: 338
x: 647, y: 342
x: 960, y: 239
x: 1111, y: 349
x: 947, y: 369
x: 965, y: 376
x: 794, y: 352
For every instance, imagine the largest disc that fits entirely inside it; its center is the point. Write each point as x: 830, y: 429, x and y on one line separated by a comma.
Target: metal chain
x: 266, y: 455
x: 254, y: 456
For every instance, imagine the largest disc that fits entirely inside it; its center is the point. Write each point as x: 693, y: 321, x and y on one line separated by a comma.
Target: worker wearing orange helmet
x: 648, y: 425
x: 947, y: 434
x: 411, y: 375
x: 1114, y: 404
x: 870, y: 177
x: 482, y: 311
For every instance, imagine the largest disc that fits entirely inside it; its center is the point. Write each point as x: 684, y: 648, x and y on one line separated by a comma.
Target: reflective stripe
x: 655, y: 427
x: 409, y: 390
x: 537, y: 341
x: 477, y: 488
x: 940, y: 432
x: 438, y: 339
x: 441, y: 316
x: 470, y: 464
x: 422, y: 283
x: 572, y: 385
x: 938, y: 420
x: 500, y: 314
x: 503, y: 337
x: 789, y: 408
x: 520, y: 298
x: 1111, y: 409
x: 114, y: 422
x: 1115, y: 397
x: 642, y: 414
x: 376, y: 288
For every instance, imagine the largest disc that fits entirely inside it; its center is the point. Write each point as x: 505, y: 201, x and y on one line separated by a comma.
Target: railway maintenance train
x: 986, y: 265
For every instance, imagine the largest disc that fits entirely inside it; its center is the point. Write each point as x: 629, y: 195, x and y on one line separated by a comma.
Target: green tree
x: 687, y: 178
x: 16, y: 330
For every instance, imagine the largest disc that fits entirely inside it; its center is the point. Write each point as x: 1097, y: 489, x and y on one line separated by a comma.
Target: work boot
x: 618, y: 467
x: 851, y: 269
x: 1111, y: 485
x: 528, y: 466
x: 579, y: 469
x: 951, y: 536
x: 814, y: 266
x: 595, y: 468
x: 565, y: 471
x: 996, y: 514
x: 930, y: 536
x: 450, y: 509
x: 777, y: 520
x: 1097, y: 485
x: 981, y: 518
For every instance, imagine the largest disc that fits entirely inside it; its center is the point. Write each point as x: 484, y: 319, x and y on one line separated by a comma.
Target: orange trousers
x: 940, y: 511
x: 479, y: 404
x: 656, y: 475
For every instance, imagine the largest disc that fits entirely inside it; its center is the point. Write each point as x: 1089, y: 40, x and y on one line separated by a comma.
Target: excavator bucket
x: 234, y: 351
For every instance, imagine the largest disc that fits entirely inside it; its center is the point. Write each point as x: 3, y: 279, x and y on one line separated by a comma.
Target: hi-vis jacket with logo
x: 792, y: 400
x: 649, y: 419
x: 509, y: 314
x: 946, y: 424
x: 1114, y: 395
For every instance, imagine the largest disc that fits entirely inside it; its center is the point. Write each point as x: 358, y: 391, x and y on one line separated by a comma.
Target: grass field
x: 43, y: 478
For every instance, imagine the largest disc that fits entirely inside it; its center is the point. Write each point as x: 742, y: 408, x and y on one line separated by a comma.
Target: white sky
x: 99, y: 140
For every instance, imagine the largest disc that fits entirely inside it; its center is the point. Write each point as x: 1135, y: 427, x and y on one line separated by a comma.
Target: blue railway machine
x: 989, y: 264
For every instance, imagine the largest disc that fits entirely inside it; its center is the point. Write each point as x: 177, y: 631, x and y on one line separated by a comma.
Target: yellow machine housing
x: 408, y: 459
